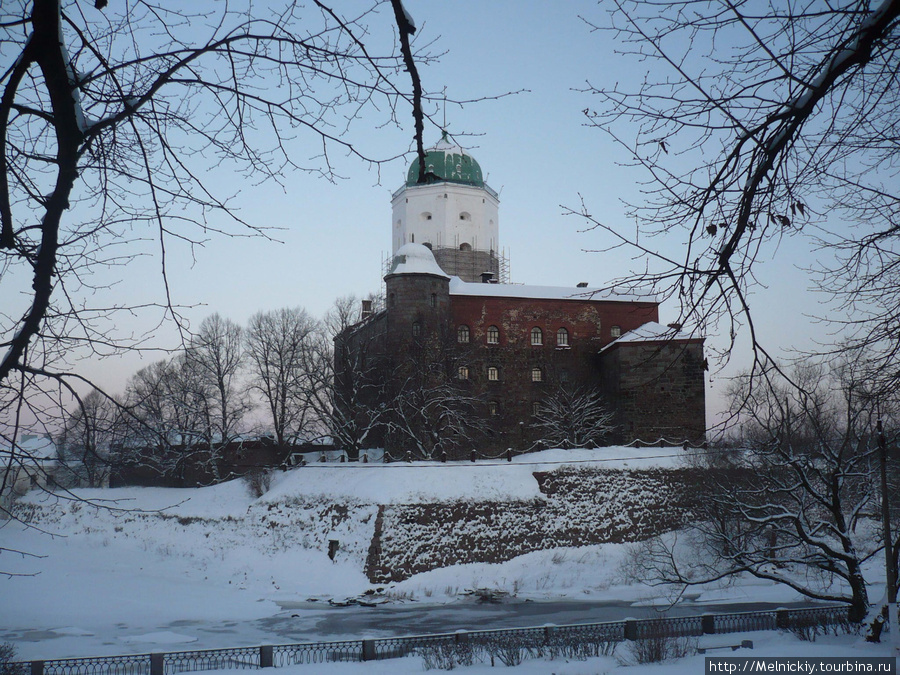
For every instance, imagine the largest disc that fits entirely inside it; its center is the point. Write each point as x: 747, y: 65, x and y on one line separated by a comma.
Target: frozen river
x: 311, y: 622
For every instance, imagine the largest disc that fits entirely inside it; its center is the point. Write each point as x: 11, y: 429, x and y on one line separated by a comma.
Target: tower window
x: 465, y: 246
x: 493, y: 335
x: 562, y: 338
x: 462, y: 335
x: 434, y: 299
x: 615, y: 331
x: 463, y: 373
x: 427, y: 245
x: 537, y: 337
x: 493, y: 374
x: 537, y: 375
x: 465, y: 215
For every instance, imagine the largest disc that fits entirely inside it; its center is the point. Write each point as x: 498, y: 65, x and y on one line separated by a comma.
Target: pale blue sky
x: 533, y: 148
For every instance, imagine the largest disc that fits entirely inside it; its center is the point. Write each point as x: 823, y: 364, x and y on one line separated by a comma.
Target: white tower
x: 454, y: 213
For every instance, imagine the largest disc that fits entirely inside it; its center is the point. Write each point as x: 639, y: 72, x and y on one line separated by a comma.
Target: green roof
x: 448, y: 162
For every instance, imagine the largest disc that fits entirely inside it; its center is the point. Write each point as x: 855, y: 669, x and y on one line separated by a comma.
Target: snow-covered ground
x: 168, y: 569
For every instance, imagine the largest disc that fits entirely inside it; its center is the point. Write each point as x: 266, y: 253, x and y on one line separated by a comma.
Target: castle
x: 452, y: 335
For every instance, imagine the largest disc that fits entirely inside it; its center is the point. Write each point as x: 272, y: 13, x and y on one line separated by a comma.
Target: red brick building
x: 505, y: 348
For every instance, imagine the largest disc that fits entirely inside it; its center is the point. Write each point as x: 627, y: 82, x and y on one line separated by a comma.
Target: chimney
x: 582, y: 284
x: 366, y: 309
x: 487, y: 277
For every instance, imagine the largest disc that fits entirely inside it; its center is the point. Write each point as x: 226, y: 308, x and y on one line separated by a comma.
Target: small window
x: 493, y: 374
x: 564, y: 376
x: 535, y: 408
x: 562, y: 338
x: 465, y: 216
x: 537, y: 337
x: 493, y: 408
x: 434, y: 299
x: 416, y: 329
x: 493, y: 335
x: 463, y: 373
x: 616, y: 331
x: 412, y: 238
x: 537, y: 375
x: 462, y: 335
x: 465, y: 246
x: 427, y: 245
x: 426, y: 216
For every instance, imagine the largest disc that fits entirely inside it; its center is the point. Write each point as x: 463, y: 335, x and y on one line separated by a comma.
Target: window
x: 465, y: 246
x: 465, y: 216
x: 493, y: 408
x: 562, y: 338
x: 493, y: 374
x: 416, y: 329
x: 463, y: 373
x: 462, y: 335
x: 537, y: 337
x: 493, y: 335
x: 564, y: 376
x: 616, y: 331
x: 392, y: 300
x: 535, y: 408
x: 537, y: 375
x: 427, y: 245
x: 412, y: 238
x: 426, y: 216
x: 434, y: 299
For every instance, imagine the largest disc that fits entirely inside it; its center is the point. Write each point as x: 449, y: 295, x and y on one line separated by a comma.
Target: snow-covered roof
x: 32, y: 449
x: 460, y: 287
x: 416, y: 259
x: 653, y: 332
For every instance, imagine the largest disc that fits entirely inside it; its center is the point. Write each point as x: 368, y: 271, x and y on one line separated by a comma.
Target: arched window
x: 493, y: 374
x: 462, y: 335
x: 615, y: 331
x: 537, y: 337
x: 426, y: 216
x: 463, y: 372
x: 537, y: 375
x: 427, y: 245
x: 493, y: 335
x: 562, y: 338
x: 434, y: 299
x: 493, y: 408
x: 465, y: 216
x: 465, y: 246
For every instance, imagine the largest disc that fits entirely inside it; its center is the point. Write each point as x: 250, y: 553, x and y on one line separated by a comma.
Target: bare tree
x: 215, y: 355
x: 91, y: 434
x: 111, y: 117
x: 764, y: 121
x: 278, y: 345
x: 797, y: 514
x: 573, y: 417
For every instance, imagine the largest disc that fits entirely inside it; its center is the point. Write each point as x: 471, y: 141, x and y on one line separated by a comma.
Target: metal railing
x: 537, y: 640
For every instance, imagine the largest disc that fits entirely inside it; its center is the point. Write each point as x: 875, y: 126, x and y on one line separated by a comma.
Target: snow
x: 212, y: 567
x: 652, y: 332
x: 460, y: 287
x: 416, y: 259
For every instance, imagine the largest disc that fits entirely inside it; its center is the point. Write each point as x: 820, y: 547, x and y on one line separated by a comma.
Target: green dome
x: 448, y: 162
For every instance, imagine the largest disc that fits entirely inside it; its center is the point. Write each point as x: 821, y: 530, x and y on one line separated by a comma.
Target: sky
x: 329, y: 238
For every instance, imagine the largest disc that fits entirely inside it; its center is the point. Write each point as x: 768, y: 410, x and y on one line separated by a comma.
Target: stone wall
x: 658, y: 389
x: 580, y: 507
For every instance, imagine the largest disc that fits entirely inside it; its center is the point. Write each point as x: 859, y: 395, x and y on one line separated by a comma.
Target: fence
x: 540, y: 640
